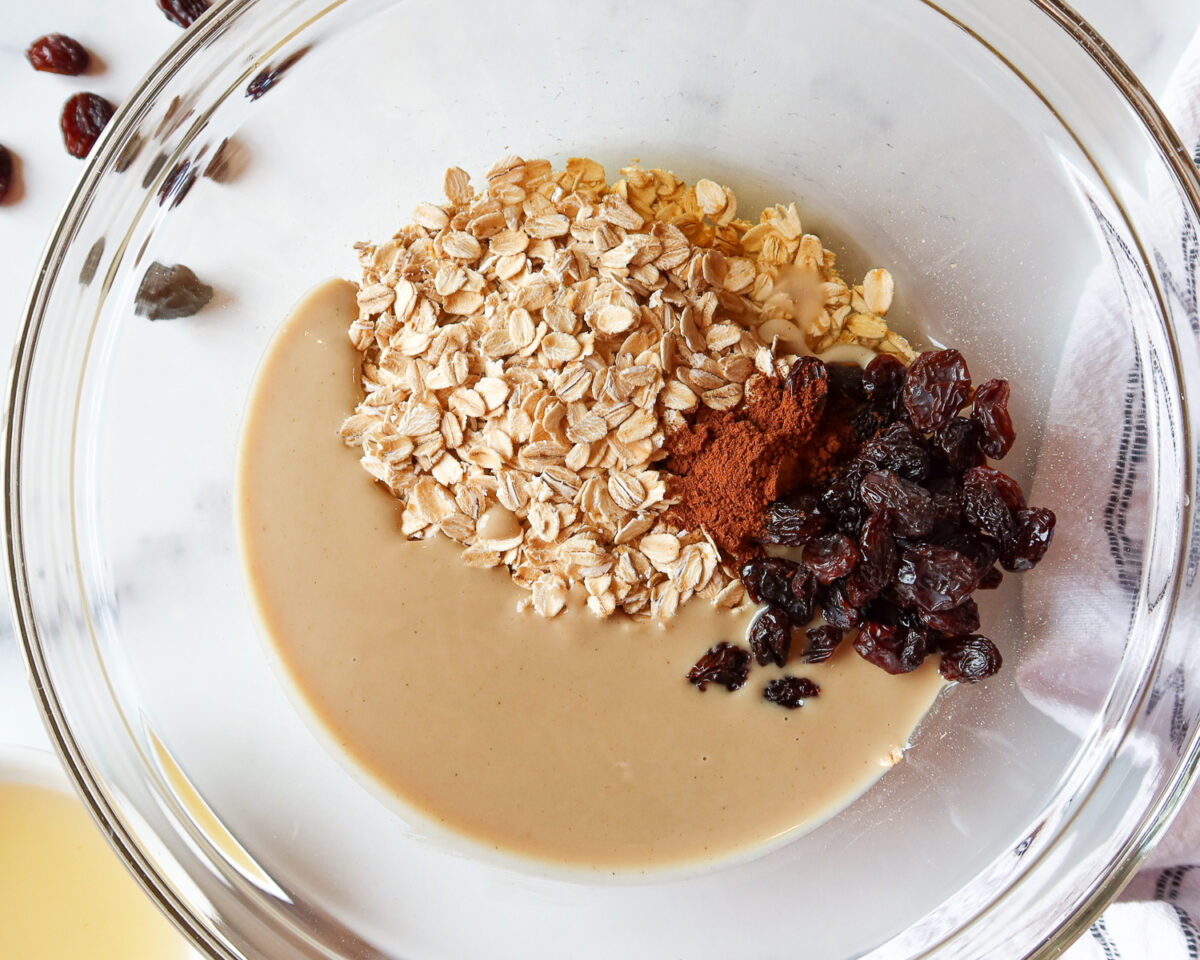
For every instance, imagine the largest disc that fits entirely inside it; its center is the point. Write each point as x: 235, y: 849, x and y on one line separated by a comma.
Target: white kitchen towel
x: 1158, y: 915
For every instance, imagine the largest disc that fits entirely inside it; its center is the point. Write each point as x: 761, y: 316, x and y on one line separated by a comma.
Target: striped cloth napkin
x: 1158, y: 915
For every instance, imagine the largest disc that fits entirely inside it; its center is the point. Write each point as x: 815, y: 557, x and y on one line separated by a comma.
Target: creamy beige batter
x: 573, y: 739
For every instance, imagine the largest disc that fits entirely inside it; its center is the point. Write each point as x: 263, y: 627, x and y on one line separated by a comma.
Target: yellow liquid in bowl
x: 64, y: 895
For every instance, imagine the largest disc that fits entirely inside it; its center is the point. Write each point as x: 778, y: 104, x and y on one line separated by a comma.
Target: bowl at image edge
x: 998, y: 165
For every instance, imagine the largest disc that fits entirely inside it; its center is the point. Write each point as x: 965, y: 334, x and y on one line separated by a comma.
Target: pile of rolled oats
x: 527, y: 349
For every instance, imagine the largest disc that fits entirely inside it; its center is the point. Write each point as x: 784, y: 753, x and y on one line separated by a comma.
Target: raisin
x: 808, y: 376
x: 183, y: 12
x: 84, y: 116
x: 58, y: 53
x: 269, y: 76
x: 990, y: 413
x: 883, y: 378
x: 894, y: 649
x: 836, y: 609
x: 177, y: 184
x: 969, y: 659
x: 1033, y: 529
x: 770, y: 637
x: 962, y: 619
x: 935, y: 578
x: 830, y: 557
x: 877, y: 560
x: 725, y: 664
x: 822, y: 641
x: 957, y: 444
x: 911, y: 505
x: 799, y: 606
x: 982, y: 551
x: 167, y: 293
x: 867, y: 421
x: 937, y: 386
x: 846, y: 382
x: 991, y: 579
x: 768, y: 580
x: 6, y: 171
x: 989, y: 500
x: 947, y: 512
x: 794, y: 521
x: 790, y: 692
x: 897, y: 447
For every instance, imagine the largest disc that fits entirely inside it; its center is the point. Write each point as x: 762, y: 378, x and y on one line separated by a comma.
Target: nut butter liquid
x: 64, y: 895
x: 573, y: 740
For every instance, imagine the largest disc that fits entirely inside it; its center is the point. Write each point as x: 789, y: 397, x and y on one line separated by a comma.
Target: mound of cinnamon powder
x: 728, y: 466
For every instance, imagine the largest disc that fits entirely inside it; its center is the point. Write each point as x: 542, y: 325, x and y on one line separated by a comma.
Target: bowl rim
x: 1104, y: 888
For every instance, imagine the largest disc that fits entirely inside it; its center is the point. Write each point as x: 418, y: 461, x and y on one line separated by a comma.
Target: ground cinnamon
x: 727, y: 466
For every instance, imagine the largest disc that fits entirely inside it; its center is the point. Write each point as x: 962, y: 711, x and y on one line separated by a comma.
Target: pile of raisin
x: 915, y: 521
x: 895, y: 542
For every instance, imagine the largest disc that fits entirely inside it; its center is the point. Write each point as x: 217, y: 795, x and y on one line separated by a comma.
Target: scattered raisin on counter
x: 58, y: 53
x: 6, y: 171
x: 84, y: 117
x: 183, y: 12
x: 724, y: 664
x: 167, y: 293
x: 790, y: 692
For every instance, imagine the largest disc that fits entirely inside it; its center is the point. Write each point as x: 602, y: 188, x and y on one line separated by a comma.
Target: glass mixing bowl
x: 1036, y: 211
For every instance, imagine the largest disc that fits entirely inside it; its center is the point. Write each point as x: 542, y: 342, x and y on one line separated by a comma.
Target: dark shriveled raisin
x: 897, y: 447
x: 183, y: 13
x: 962, y: 619
x: 938, y: 385
x: 910, y: 504
x: 1033, y: 529
x: 894, y: 649
x: 724, y: 664
x: 167, y: 293
x: 58, y: 53
x: 792, y: 522
x: 990, y: 414
x: 957, y: 444
x: 883, y: 378
x: 836, y: 609
x: 991, y: 579
x: 790, y: 692
x: 846, y: 382
x: 989, y: 500
x: 84, y: 118
x: 830, y: 557
x: 770, y: 637
x: 935, y: 579
x: 969, y: 659
x: 877, y: 560
x: 768, y: 580
x: 822, y: 641
x: 809, y: 378
x: 6, y: 171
